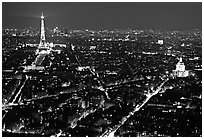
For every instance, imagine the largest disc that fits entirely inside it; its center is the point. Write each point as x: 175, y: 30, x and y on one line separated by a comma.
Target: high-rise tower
x: 42, y: 33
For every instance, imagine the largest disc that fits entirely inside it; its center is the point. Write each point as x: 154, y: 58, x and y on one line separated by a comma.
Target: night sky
x: 103, y: 15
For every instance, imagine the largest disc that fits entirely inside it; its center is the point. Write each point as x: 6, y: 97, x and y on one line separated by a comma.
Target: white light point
x: 42, y: 17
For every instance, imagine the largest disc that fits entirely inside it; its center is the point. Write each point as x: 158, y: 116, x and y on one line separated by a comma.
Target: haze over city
x: 104, y: 15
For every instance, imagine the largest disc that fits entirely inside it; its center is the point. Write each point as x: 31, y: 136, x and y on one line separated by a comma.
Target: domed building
x: 180, y: 69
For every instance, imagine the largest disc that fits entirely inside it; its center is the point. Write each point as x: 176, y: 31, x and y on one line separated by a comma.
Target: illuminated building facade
x: 180, y: 70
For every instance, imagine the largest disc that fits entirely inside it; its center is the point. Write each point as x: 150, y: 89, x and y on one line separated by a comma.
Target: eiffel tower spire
x: 42, y: 32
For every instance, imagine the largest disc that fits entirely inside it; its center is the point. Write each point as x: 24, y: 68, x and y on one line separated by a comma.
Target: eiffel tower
x: 42, y: 34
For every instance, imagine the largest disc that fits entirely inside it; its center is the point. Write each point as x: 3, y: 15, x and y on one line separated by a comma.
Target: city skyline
x: 103, y: 15
x: 100, y: 83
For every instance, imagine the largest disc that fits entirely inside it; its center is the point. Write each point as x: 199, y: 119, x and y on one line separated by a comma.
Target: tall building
x: 42, y: 33
x: 180, y: 70
x: 43, y: 46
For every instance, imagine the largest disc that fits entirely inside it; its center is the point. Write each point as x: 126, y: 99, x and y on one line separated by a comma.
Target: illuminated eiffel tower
x: 43, y: 46
x: 42, y: 33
